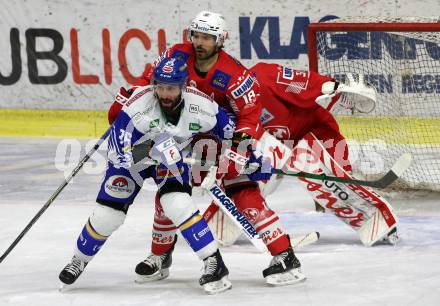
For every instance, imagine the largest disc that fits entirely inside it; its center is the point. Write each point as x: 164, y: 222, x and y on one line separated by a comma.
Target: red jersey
x: 228, y: 82
x: 288, y: 100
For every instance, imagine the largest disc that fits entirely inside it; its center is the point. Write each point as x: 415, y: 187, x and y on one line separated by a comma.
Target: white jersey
x: 142, y: 119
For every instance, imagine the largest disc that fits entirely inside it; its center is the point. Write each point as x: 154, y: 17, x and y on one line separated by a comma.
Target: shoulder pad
x: 138, y: 99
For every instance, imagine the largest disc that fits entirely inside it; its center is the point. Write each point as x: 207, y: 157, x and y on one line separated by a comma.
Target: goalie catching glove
x: 364, y: 104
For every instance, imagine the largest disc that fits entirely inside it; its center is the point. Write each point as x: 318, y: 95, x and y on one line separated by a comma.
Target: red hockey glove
x: 234, y: 160
x: 120, y: 99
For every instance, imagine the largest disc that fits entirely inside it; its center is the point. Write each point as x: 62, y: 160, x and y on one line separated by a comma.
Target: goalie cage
x: 400, y: 58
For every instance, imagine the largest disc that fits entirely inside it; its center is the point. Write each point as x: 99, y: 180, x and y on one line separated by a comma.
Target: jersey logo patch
x: 169, y: 66
x: 120, y: 187
x: 287, y: 76
x: 193, y: 108
x: 265, y: 116
x: 137, y: 118
x: 194, y: 126
x: 287, y: 73
x: 220, y: 80
x: 154, y: 123
x: 243, y: 87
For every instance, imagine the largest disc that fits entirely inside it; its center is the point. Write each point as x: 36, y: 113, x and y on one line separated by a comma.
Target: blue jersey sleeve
x: 225, y: 126
x: 122, y: 137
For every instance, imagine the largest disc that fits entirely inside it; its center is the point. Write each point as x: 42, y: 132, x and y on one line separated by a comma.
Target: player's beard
x: 167, y: 104
x: 203, y: 54
x: 170, y: 107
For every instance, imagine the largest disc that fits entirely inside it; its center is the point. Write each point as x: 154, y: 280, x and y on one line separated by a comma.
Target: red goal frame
x: 313, y: 28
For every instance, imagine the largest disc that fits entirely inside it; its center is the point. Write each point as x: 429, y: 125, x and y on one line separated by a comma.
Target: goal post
x: 400, y: 58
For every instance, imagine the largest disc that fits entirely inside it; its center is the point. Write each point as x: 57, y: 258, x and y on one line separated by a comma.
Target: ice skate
x: 284, y: 269
x: 71, y: 272
x: 215, y: 275
x: 155, y: 267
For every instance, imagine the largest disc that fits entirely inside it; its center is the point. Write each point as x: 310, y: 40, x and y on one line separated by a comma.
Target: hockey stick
x: 55, y: 194
x: 227, y: 205
x: 402, y: 163
x: 301, y: 241
x: 296, y: 242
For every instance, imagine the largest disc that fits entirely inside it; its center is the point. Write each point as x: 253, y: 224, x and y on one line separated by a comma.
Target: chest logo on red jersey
x: 287, y: 73
x: 266, y: 116
x: 295, y: 80
x: 243, y: 87
x: 220, y: 80
x: 280, y: 132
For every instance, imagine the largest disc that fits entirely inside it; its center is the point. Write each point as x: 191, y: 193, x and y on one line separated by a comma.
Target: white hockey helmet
x: 210, y: 23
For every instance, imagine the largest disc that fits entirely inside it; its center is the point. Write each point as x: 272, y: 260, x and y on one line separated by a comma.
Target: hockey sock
x: 196, y: 232
x: 164, y: 231
x: 270, y: 230
x: 164, y: 234
x: 266, y: 222
x: 89, y: 242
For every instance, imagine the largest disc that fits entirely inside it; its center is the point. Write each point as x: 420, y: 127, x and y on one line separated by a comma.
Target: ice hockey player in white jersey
x: 166, y: 115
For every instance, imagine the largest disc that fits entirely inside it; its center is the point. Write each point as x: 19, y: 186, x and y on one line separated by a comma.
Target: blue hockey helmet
x: 171, y: 71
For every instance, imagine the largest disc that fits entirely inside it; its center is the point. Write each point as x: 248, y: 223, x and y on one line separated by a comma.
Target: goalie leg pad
x: 331, y: 147
x: 269, y: 186
x: 366, y: 212
x: 223, y: 228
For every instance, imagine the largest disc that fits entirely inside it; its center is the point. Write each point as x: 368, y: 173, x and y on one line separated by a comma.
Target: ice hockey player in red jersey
x: 231, y: 85
x: 290, y: 113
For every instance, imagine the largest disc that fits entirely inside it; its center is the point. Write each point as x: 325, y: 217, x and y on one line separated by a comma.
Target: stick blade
x: 403, y: 163
x: 301, y: 241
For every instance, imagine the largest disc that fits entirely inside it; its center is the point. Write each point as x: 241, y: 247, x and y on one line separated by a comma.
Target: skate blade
x: 64, y: 287
x: 161, y: 274
x: 287, y: 278
x: 218, y: 286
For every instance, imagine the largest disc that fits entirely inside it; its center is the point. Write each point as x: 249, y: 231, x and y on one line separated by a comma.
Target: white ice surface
x: 340, y: 270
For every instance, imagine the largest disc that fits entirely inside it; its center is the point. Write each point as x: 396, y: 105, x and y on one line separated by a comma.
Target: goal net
x: 400, y: 58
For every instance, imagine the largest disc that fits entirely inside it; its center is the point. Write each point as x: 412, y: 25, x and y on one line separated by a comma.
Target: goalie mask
x: 169, y: 79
